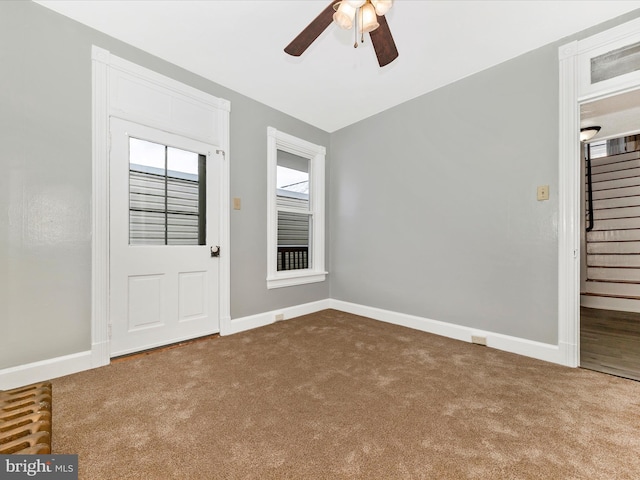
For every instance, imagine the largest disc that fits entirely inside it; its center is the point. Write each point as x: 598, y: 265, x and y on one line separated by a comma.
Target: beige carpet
x: 333, y: 395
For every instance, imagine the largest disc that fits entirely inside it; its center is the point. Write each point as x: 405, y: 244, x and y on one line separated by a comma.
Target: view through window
x: 294, y: 215
x: 167, y: 195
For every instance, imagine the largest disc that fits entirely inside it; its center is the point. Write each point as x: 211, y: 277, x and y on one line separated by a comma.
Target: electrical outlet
x: 479, y: 340
x: 279, y: 317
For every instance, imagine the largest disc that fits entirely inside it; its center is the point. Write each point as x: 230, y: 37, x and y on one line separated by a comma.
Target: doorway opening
x: 610, y: 237
x: 147, y: 105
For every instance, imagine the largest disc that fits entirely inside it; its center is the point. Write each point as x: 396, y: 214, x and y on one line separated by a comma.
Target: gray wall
x: 45, y: 187
x: 436, y: 201
x: 432, y: 207
x: 433, y: 203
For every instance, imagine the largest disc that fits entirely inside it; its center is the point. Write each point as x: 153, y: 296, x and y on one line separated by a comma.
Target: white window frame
x: 277, y: 140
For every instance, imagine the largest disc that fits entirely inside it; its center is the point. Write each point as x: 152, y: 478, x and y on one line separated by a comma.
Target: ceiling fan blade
x: 383, y: 43
x: 313, y: 31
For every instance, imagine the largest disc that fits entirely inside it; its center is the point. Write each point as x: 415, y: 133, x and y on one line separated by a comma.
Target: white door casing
x: 576, y: 88
x: 128, y: 91
x: 159, y: 294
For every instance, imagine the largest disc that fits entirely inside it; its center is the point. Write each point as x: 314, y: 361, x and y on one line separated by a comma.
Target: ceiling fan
x: 366, y: 15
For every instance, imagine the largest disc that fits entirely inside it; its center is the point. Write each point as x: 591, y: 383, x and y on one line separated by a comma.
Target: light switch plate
x: 237, y: 204
x: 543, y: 192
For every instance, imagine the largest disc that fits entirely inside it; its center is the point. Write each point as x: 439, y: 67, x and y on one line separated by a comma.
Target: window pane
x: 598, y: 149
x: 293, y: 240
x: 292, y: 184
x: 184, y: 205
x: 146, y: 193
x: 146, y: 228
x: 614, y: 146
x: 167, y: 195
x: 292, y: 179
x: 181, y: 162
x: 615, y: 63
x: 146, y: 154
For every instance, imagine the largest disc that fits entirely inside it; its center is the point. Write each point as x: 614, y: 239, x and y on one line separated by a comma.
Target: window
x: 617, y: 62
x: 167, y: 203
x: 294, y: 215
x: 295, y: 211
x: 597, y: 149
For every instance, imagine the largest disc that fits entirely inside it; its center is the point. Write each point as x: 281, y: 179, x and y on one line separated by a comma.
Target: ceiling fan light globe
x: 369, y: 19
x: 382, y: 6
x: 344, y: 15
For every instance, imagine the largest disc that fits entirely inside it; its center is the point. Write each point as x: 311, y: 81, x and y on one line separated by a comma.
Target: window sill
x: 295, y: 277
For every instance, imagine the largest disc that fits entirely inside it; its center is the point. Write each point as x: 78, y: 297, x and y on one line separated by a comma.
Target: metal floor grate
x: 25, y: 420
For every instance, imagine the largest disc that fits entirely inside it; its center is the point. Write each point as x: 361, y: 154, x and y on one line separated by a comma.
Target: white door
x: 164, y: 221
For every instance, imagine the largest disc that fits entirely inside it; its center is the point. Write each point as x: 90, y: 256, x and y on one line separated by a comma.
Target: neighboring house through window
x: 166, y: 195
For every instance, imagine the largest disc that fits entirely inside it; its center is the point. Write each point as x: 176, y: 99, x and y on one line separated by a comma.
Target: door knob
x: 216, y: 252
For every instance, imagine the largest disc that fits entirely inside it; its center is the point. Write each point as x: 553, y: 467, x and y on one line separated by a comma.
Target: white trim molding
x: 260, y: 320
x: 100, y: 203
x: 520, y: 346
x: 57, y: 367
x: 569, y: 224
x: 128, y: 91
x: 576, y: 88
x: 529, y: 348
x: 21, y: 375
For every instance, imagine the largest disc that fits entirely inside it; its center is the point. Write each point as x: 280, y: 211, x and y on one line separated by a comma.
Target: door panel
x: 193, y: 298
x: 164, y: 283
x: 145, y: 301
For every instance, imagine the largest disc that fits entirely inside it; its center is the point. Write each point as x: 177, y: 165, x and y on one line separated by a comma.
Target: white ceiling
x: 239, y: 44
x: 618, y: 115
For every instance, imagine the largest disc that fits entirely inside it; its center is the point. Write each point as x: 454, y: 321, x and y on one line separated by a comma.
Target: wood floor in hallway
x: 610, y: 342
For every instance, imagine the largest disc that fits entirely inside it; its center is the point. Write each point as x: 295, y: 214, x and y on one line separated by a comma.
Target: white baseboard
x: 241, y: 324
x: 520, y: 346
x: 21, y: 375
x: 57, y: 367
